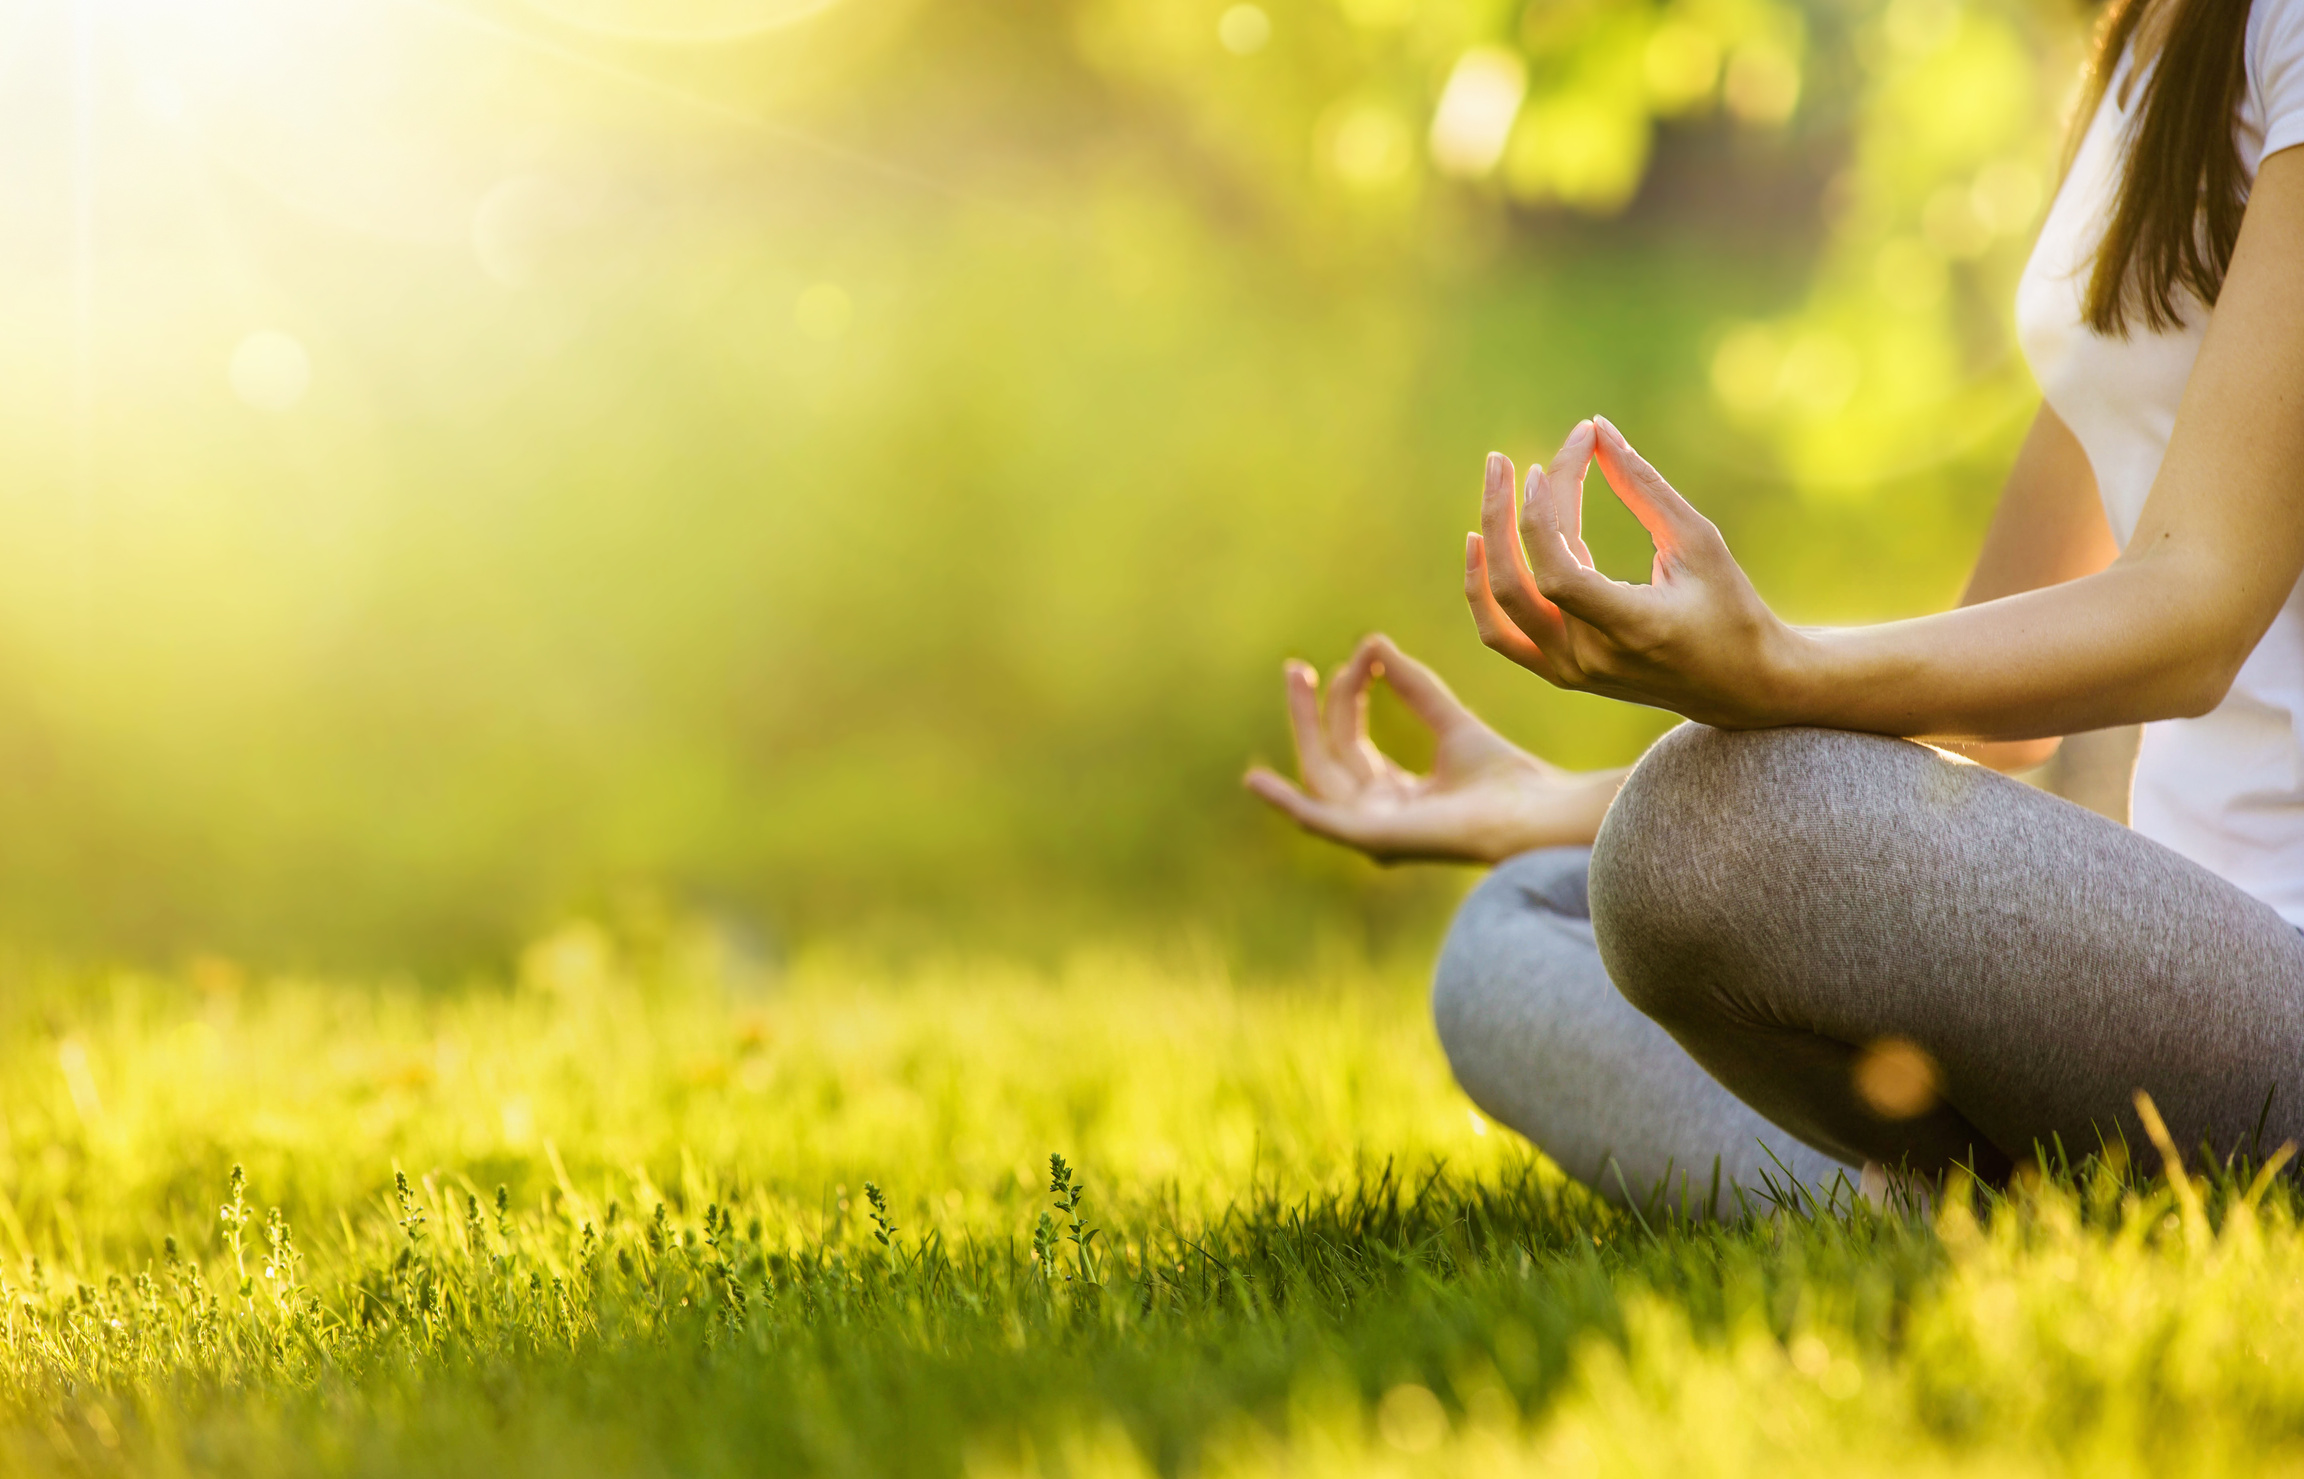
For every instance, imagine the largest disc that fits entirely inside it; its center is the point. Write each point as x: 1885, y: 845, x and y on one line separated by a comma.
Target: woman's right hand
x: 1485, y: 800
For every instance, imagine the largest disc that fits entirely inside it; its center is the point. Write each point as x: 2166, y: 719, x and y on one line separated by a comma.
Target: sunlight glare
x: 688, y: 22
x: 270, y: 370
x: 524, y: 226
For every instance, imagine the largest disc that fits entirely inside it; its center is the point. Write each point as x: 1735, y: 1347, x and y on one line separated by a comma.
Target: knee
x: 1713, y: 833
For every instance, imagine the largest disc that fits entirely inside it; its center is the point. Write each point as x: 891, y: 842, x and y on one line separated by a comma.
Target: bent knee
x: 1716, y: 829
x: 1736, y: 806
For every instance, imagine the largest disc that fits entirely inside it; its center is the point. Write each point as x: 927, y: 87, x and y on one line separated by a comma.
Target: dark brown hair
x: 2182, y: 191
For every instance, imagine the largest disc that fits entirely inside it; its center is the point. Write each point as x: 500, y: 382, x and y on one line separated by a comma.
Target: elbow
x: 2202, y: 686
x: 2207, y: 619
x: 2197, y: 699
x: 2199, y: 657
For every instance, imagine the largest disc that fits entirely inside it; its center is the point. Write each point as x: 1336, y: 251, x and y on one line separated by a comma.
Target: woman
x: 1789, y: 937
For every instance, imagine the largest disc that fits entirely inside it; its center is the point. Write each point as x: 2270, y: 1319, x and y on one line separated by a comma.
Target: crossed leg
x: 1545, y: 1044
x: 1781, y: 901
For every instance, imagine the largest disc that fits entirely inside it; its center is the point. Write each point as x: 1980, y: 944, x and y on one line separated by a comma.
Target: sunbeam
x: 695, y: 102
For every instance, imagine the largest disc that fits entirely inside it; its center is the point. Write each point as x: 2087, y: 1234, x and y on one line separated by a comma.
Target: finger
x: 1671, y: 521
x: 1308, y: 812
x: 1421, y: 689
x: 1565, y: 479
x: 1509, y: 580
x: 1498, y: 632
x: 1344, y: 715
x: 1314, y: 761
x: 1570, y: 584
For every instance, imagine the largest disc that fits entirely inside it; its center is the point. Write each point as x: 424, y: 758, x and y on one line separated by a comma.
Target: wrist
x: 1565, y: 812
x: 1799, y: 677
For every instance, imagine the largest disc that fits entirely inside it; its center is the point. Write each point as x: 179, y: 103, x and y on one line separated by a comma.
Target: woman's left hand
x: 1697, y: 639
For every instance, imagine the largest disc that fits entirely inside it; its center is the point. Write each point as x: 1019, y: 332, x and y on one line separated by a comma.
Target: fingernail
x: 1495, y: 467
x: 1471, y: 550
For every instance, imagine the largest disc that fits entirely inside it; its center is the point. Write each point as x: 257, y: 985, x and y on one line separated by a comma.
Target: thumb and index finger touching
x: 1377, y: 658
x: 1422, y: 690
x: 1671, y: 520
x: 1329, y: 735
x: 1330, y: 730
x: 1551, y: 527
x: 1555, y: 492
x: 1552, y: 519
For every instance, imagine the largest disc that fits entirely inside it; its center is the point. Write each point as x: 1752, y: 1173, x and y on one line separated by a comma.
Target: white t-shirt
x: 2225, y: 789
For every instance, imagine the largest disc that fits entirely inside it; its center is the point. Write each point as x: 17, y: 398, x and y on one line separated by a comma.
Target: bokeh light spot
x: 270, y: 370
x: 1897, y: 1079
x: 1587, y: 149
x: 1819, y: 373
x: 1368, y: 146
x: 1744, y: 369
x: 1763, y: 84
x: 1474, y: 119
x: 1411, y: 1419
x: 1244, y: 30
x: 1680, y: 66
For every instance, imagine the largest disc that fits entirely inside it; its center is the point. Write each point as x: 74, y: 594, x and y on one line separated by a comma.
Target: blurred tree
x: 857, y: 467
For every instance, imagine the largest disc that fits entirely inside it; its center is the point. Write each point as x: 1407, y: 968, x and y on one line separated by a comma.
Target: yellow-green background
x: 854, y: 473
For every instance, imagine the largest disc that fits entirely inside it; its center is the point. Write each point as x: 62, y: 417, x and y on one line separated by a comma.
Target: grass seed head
x: 883, y: 1224
x: 411, y: 1215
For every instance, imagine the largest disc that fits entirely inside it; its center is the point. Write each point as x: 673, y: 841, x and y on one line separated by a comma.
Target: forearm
x: 2136, y: 642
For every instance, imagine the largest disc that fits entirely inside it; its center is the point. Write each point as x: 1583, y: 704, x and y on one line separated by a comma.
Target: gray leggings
x: 1763, y: 910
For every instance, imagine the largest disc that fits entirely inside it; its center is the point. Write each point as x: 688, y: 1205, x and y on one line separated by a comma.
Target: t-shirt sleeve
x: 2278, y: 44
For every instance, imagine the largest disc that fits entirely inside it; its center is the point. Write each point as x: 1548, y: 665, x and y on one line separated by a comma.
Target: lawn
x: 651, y: 1208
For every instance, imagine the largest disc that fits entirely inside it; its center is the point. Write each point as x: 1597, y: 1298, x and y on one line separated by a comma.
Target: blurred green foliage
x: 855, y: 470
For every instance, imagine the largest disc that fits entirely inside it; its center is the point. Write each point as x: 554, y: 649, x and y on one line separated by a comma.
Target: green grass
x: 805, y: 1225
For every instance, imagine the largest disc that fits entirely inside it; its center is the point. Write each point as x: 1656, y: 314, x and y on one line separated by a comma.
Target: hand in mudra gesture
x: 1696, y: 639
x: 1484, y: 799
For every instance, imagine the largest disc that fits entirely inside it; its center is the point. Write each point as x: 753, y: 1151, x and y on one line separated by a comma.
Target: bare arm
x: 2160, y: 633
